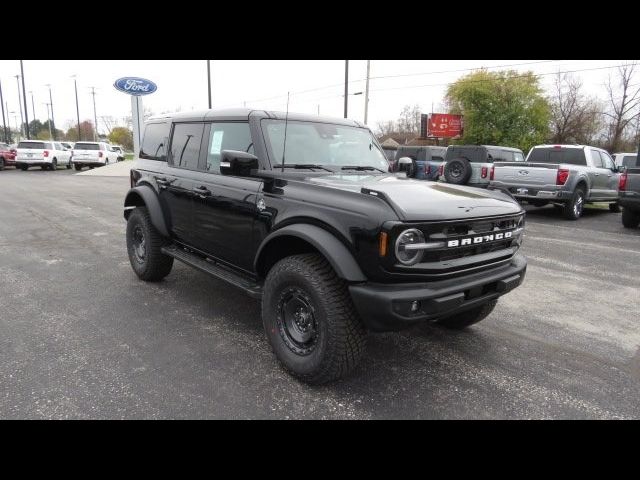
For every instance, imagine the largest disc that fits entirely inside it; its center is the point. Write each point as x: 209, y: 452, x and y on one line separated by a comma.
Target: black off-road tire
x: 457, y: 171
x: 154, y: 265
x: 339, y: 336
x: 77, y: 166
x: 469, y: 317
x: 614, y: 207
x: 573, y: 208
x: 630, y: 218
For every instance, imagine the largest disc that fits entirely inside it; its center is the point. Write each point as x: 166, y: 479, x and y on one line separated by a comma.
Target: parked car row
x: 567, y: 176
x: 49, y: 155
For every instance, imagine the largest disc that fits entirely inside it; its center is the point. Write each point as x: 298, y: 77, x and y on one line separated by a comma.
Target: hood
x: 421, y: 200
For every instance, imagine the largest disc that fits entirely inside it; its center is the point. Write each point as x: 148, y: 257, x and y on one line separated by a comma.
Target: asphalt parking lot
x: 82, y: 337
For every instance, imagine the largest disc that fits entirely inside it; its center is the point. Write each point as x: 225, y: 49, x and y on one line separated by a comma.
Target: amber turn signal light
x: 382, y: 244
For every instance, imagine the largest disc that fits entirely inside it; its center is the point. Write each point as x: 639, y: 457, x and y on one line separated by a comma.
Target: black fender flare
x: 326, y: 243
x: 150, y: 200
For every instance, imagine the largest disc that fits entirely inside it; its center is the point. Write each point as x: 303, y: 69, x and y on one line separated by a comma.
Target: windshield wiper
x: 362, y: 167
x: 303, y: 166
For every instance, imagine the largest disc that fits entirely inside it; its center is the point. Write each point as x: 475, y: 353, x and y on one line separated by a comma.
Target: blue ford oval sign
x: 135, y: 86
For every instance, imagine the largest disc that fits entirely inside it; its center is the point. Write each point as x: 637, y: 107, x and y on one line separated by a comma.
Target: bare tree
x: 409, y: 121
x: 624, y: 99
x: 575, y: 118
x: 386, y: 128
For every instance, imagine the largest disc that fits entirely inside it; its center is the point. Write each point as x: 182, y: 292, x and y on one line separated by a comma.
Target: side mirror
x: 238, y: 163
x: 406, y: 164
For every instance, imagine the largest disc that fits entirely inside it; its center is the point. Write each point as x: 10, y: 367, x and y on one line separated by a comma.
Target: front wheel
x: 630, y: 219
x: 574, y: 207
x: 310, y: 320
x: 469, y: 317
x: 144, y: 246
x: 77, y: 166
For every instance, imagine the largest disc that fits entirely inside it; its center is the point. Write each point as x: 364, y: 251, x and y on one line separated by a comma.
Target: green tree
x: 122, y: 136
x: 36, y: 127
x: 86, y: 131
x: 500, y: 108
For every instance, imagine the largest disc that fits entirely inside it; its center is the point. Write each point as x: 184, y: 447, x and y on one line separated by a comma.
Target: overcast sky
x: 314, y: 84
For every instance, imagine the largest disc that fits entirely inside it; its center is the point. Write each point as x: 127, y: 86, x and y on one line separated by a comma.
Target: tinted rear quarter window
x: 154, y: 142
x: 571, y: 156
x: 629, y: 160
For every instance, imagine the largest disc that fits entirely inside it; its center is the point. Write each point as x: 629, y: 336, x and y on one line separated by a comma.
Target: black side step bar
x: 250, y: 287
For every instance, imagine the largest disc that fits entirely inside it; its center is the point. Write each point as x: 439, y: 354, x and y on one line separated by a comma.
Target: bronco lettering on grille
x: 474, y: 240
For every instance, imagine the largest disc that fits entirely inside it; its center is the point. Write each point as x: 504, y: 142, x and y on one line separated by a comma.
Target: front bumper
x: 386, y: 307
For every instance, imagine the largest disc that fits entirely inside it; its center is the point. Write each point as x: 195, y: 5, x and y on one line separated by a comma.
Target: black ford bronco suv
x: 300, y: 212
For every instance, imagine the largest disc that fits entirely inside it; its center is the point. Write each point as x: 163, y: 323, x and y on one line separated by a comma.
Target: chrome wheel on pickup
x: 573, y: 209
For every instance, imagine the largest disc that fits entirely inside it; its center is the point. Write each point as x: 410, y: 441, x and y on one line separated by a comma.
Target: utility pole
x: 4, y: 121
x: 346, y: 87
x: 95, y: 117
x: 53, y: 126
x: 20, y: 103
x: 24, y: 98
x: 366, y: 94
x: 209, y: 81
x: 75, y: 84
x: 33, y: 105
x: 49, y: 122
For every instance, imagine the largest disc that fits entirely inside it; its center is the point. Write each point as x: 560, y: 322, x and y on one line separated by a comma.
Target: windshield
x: 333, y: 146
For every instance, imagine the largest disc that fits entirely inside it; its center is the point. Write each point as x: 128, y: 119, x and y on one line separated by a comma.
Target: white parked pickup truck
x: 46, y: 155
x: 92, y: 154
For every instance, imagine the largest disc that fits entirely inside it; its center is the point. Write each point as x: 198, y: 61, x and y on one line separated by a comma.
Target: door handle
x: 163, y: 183
x: 202, y: 192
x: 596, y: 174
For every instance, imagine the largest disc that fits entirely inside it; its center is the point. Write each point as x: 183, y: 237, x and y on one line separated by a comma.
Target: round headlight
x: 408, y: 256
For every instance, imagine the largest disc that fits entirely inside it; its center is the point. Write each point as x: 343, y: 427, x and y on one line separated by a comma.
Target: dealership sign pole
x: 136, y: 87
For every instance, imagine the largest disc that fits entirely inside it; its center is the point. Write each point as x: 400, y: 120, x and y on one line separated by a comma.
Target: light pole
x: 53, y: 126
x: 95, y: 116
x: 33, y: 105
x: 15, y: 120
x: 346, y: 87
x: 20, y: 104
x: 209, y: 81
x: 75, y: 84
x: 24, y: 99
x: 49, y: 122
x: 4, y: 121
x: 366, y: 95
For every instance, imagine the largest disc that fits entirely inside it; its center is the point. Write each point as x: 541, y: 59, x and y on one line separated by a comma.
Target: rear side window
x: 34, y: 145
x: 571, y: 156
x: 154, y: 143
x: 227, y: 136
x: 629, y: 160
x: 185, y: 145
x: 596, y: 159
x: 87, y: 146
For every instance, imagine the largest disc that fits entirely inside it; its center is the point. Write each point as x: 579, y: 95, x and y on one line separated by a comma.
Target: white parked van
x: 92, y: 154
x: 46, y: 155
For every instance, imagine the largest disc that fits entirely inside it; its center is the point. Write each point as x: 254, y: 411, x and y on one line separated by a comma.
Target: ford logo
x: 135, y: 86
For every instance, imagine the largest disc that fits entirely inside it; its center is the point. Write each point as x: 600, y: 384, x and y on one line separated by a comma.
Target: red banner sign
x: 444, y: 125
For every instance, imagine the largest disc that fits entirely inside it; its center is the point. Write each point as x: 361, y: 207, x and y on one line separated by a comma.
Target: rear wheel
x: 310, y: 320
x: 573, y: 208
x: 469, y: 317
x: 54, y: 164
x: 144, y: 246
x: 77, y: 166
x: 24, y: 168
x: 630, y: 218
